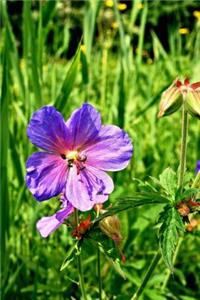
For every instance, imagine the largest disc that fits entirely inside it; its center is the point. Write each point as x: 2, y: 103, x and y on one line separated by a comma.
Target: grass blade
x: 68, y: 82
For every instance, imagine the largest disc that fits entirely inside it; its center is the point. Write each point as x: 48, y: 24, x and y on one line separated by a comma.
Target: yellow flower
x: 139, y: 5
x: 114, y: 25
x: 83, y: 48
x: 183, y: 30
x: 109, y: 3
x: 196, y: 14
x: 122, y: 6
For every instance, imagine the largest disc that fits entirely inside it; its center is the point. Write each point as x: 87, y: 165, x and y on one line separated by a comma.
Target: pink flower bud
x: 111, y: 227
x: 171, y: 100
x: 179, y: 93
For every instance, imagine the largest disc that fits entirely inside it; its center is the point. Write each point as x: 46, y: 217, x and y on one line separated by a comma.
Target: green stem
x: 147, y: 276
x: 183, y: 147
x: 79, y: 261
x: 99, y: 273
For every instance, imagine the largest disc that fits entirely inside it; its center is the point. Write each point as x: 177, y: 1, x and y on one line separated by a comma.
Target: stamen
x: 70, y: 163
x: 63, y: 156
x: 82, y: 158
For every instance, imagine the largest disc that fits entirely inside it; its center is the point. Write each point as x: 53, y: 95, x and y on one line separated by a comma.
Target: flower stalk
x: 183, y: 147
x: 79, y: 262
x: 156, y: 259
x: 99, y: 273
x: 147, y: 276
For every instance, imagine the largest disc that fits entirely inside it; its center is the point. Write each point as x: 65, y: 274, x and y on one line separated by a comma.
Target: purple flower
x: 197, y: 167
x: 47, y: 225
x: 75, y: 156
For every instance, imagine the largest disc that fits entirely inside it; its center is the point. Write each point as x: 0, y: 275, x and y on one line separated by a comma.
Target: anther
x: 70, y: 163
x: 63, y: 156
x: 82, y: 158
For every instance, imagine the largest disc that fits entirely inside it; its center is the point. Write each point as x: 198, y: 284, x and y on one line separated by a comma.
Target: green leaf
x: 168, y: 181
x: 91, y: 12
x: 68, y: 82
x: 172, y: 226
x: 69, y: 256
x: 136, y: 200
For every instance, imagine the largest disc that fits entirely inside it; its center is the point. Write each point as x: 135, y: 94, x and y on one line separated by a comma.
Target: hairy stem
x: 79, y: 261
x: 147, y: 276
x: 184, y: 134
x: 99, y: 273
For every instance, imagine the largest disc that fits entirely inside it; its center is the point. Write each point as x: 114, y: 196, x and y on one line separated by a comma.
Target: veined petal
x: 89, y: 187
x: 46, y: 175
x: 47, y: 225
x: 84, y: 125
x: 112, y: 150
x: 47, y: 130
x: 195, y: 85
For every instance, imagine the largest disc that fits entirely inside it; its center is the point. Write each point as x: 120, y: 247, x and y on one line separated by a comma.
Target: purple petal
x: 47, y: 225
x: 46, y: 175
x: 197, y: 167
x: 112, y: 151
x: 84, y: 125
x: 47, y: 130
x: 89, y: 187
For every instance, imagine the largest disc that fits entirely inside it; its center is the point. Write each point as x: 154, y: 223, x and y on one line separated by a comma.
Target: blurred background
x: 118, y: 56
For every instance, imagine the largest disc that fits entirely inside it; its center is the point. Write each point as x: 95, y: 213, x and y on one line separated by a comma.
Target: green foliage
x: 68, y: 82
x: 136, y: 200
x: 130, y: 63
x: 168, y: 181
x: 170, y: 230
x: 97, y: 239
x: 70, y: 255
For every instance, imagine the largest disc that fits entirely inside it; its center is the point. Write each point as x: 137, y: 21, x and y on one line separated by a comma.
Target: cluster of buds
x: 178, y: 94
x: 193, y: 225
x: 81, y: 229
x: 186, y: 207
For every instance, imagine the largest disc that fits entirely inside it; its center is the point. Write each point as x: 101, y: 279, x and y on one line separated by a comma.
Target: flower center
x: 73, y: 157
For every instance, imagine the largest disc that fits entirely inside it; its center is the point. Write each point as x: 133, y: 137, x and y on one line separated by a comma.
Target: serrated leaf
x: 170, y: 230
x: 145, y: 186
x: 137, y: 199
x: 69, y: 256
x: 168, y: 180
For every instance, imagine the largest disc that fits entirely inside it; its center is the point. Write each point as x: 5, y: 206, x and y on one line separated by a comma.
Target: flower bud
x: 183, y: 209
x: 179, y: 93
x: 192, y: 103
x: 111, y: 227
x: 171, y: 100
x: 192, y: 225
